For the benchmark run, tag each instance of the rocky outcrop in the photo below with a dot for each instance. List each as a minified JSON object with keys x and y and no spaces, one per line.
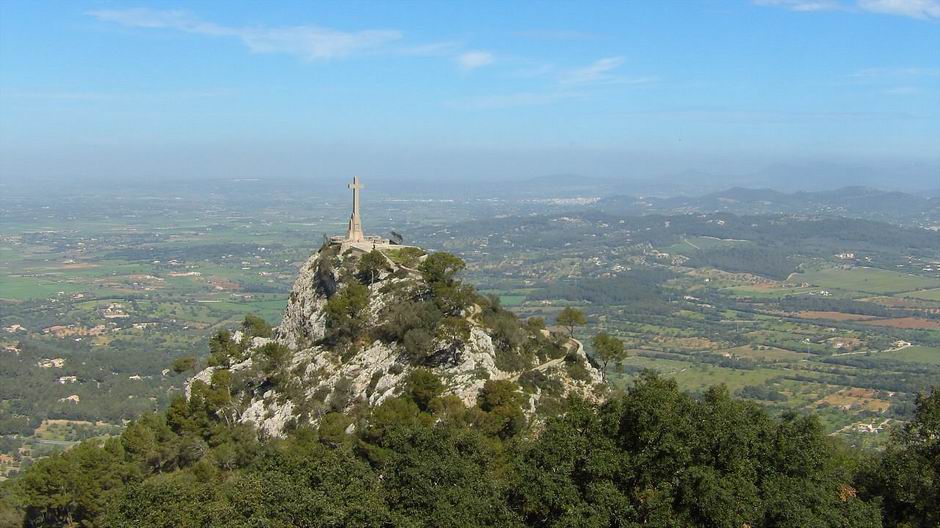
{"x":304,"y":318}
{"x":320,"y":375}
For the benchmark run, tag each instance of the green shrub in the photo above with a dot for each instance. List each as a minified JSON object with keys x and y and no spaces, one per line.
{"x":441,"y":268}
{"x":343,"y":312}
{"x":535,"y":325}
{"x":406,"y":256}
{"x":418,"y":343}
{"x":422,"y":386}
{"x":505,"y":329}
{"x":451,"y":298}
{"x":342,"y":395}
{"x":551,"y":350}
{"x":575,"y":365}
{"x":184,"y":364}
{"x":222,"y":349}
{"x":332,"y":429}
{"x":513,"y":359}
{"x":255,"y":326}
{"x":272,"y":357}
{"x":453,"y":329}
{"x":533,"y":379}
{"x":409,"y":315}
{"x":371,"y":265}
{"x":374,"y":382}
{"x":501,"y":403}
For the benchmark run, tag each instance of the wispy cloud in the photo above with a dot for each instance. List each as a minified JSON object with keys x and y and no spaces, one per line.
{"x":534,"y":70}
{"x":434,"y":49}
{"x":598,"y":71}
{"x":804,"y":5}
{"x":903,"y":90}
{"x":307,"y":42}
{"x":550,"y":34}
{"x":472,"y":60}
{"x":897,"y":81}
{"x":923,"y":9}
{"x":896,"y":73}
{"x":744,"y":116}
{"x":920,"y":9}
{"x":113,"y":96}
{"x":515,"y":100}
{"x":601,"y":71}
{"x":576,"y":83}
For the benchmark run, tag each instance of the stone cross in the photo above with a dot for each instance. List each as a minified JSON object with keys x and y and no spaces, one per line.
{"x":354,"y":233}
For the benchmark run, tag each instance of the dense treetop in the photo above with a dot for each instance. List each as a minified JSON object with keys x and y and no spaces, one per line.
{"x":652,"y":456}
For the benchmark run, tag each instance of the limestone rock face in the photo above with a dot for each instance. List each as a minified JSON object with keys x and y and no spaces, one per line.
{"x":320,"y":375}
{"x":304,"y":318}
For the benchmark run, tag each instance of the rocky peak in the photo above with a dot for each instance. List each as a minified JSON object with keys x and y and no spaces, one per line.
{"x":358,"y":324}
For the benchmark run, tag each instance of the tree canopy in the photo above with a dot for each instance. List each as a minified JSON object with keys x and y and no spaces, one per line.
{"x":371,"y":264}
{"x":441,"y":267}
{"x":570,"y":318}
{"x":906,"y":476}
{"x":608,"y":348}
{"x":652,"y":456}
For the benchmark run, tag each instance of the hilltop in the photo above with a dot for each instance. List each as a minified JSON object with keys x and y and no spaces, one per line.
{"x":357,"y":327}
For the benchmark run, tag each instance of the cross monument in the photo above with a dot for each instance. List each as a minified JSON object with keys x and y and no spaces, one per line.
{"x":354,"y":233}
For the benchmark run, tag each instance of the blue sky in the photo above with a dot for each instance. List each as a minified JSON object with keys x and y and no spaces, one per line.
{"x":466,"y":89}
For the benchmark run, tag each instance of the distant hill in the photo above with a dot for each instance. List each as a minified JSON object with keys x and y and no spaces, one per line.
{"x":565,"y":179}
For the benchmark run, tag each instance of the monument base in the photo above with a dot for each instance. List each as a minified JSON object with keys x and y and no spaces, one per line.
{"x":367,"y":244}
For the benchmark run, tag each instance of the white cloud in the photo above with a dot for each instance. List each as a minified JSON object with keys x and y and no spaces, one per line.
{"x":601,"y":72}
{"x":307,"y":42}
{"x":149,"y":18}
{"x":803,"y":5}
{"x":472,"y":60}
{"x":577,"y":83}
{"x":598,"y":71}
{"x":923,"y":9}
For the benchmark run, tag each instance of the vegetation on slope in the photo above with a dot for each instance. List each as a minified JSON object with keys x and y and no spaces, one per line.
{"x":652,"y":456}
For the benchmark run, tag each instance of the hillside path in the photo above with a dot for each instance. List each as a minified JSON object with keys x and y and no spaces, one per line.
{"x":552,"y":362}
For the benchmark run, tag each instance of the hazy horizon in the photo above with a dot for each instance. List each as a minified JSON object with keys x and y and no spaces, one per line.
{"x":785,"y":94}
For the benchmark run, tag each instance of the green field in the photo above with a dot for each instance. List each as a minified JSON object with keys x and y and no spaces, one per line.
{"x":700,"y":243}
{"x":702,"y":377}
{"x":867,"y":280}
{"x":697,"y":377}
{"x":929,"y":295}
{"x":916,"y":354}
{"x":763,"y":293}
{"x":18,"y":287}
{"x":508,"y":298}
{"x":768,"y":353}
